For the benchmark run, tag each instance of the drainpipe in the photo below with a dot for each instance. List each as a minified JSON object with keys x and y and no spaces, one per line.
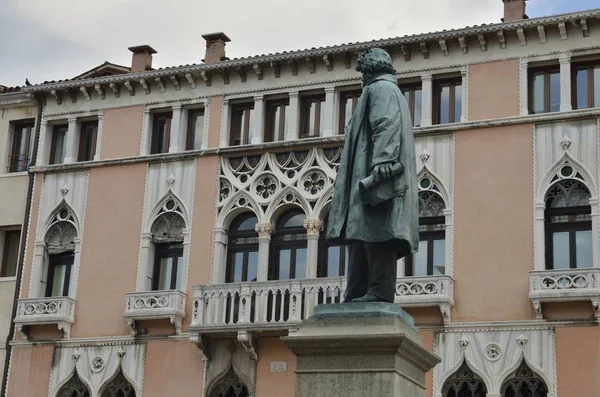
{"x":40,"y":100}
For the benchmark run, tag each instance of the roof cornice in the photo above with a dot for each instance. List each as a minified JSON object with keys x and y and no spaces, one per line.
{"x":318,"y":52}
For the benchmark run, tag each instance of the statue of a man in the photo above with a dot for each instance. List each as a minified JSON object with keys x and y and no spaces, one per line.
{"x":375,"y":208}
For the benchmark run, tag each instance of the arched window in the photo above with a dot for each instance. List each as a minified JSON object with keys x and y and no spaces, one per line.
{"x":242,"y":249}
{"x":524,"y":383}
{"x":431,"y":257}
{"x":229,"y":386}
{"x":464,"y":383}
{"x":167,"y":237}
{"x":333,"y":257}
{"x":60,"y":249}
{"x":568,"y":224}
{"x":118,"y":386}
{"x":288,"y":254}
{"x":74,"y":388}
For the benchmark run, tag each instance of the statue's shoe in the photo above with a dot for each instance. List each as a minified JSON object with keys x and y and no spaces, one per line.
{"x":368,"y":298}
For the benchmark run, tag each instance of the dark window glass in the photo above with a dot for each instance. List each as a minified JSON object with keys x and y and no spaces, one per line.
{"x":57,"y":146}
{"x":167,"y":266}
{"x":161,"y":132}
{"x":586,"y":85}
{"x":59,"y":274}
{"x":241,"y":117}
{"x":348,"y":102}
{"x":289,"y":246}
{"x":275,"y":119}
{"x":195,"y":129}
{"x":21,"y":144}
{"x":544,"y":90}
{"x":447,"y":101}
{"x":87,"y":140}
{"x":74,"y":388}
{"x":414,"y":96}
{"x":242,"y":250}
{"x":333,"y":258}
{"x":10,"y":253}
{"x":312,"y":115}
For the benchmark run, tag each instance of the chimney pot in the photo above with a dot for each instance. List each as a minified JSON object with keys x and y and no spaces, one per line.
{"x":215,"y":47}
{"x":141,"y":59}
{"x":514,"y":10}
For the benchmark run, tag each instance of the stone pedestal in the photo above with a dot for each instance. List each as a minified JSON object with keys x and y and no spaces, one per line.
{"x":358,"y":350}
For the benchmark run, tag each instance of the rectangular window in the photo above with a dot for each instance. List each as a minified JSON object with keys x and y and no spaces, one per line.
{"x":161,"y":132}
{"x":586,"y":86}
{"x":348,"y":101}
{"x":569,"y":245}
{"x":21,"y":144}
{"x":59,"y":274}
{"x":544,"y":90}
{"x":275,"y":119}
{"x":58,"y":143}
{"x":430,"y":260}
{"x":88,"y":132}
{"x":312,"y":115}
{"x":10,"y":253}
{"x":195,"y":129}
{"x":414,"y":95}
{"x":447,"y":101}
{"x":241,"y":117}
{"x":168,"y":263}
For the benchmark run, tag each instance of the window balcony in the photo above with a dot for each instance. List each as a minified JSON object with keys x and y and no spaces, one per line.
{"x":155,"y":305}
{"x":426,"y":291}
{"x":564,"y":286}
{"x":59,"y":310}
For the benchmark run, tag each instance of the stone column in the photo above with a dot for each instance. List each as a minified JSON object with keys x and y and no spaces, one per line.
{"x":293,"y":117}
{"x":175,"y":140}
{"x":329,"y":113}
{"x":258,"y":121}
{"x":224,"y":140}
{"x":265,"y":230}
{"x":465,"y":97}
{"x":219,"y":255}
{"x":523,"y":88}
{"x":71,"y":141}
{"x":146,"y":133}
{"x":565,"y":83}
{"x":99,"y":136}
{"x":313,"y":231}
{"x":427,"y":100}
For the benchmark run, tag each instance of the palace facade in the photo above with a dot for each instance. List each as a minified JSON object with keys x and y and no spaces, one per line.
{"x":177,"y":215}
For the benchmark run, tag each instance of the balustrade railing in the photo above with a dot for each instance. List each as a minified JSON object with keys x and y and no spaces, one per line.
{"x":59,"y":310}
{"x":152,"y":305}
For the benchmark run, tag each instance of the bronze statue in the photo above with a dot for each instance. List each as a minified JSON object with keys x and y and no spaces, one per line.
{"x":375,"y":208}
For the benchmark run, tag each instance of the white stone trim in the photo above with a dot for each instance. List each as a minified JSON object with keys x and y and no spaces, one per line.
{"x":523,"y":87}
{"x":565,"y":82}
{"x":465,"y":96}
{"x":99,"y":136}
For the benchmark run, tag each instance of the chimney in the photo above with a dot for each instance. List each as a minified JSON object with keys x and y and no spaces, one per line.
{"x":141,"y":59}
{"x":514,"y":10}
{"x":215,"y":47}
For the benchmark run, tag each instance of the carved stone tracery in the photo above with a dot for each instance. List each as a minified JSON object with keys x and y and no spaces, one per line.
{"x":464,"y":383}
{"x":61,"y":234}
{"x":169,"y":224}
{"x":119,"y":386}
{"x":229,"y":386}
{"x":524,"y":382}
{"x":74,"y":388}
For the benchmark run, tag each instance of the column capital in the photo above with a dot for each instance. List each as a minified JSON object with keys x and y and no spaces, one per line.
{"x":264,"y":230}
{"x":225,"y":101}
{"x":313,"y":227}
{"x":427,"y":76}
{"x":72,"y":119}
{"x":294,"y":94}
{"x":565,"y":57}
{"x":329,"y":90}
{"x":147,"y":111}
{"x":259,"y":97}
{"x":177,"y":107}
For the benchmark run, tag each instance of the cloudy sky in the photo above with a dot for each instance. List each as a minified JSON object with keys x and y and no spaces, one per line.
{"x":51,"y":40}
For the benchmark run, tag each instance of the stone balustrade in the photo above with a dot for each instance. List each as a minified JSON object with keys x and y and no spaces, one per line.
{"x":59,"y":310}
{"x":155,"y":305}
{"x":426,"y":291}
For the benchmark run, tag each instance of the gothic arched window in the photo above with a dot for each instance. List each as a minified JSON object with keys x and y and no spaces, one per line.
{"x":74,"y":388}
{"x":242,"y":249}
{"x":431,"y":257}
{"x":524,"y":383}
{"x":229,"y":386}
{"x":289,"y":246}
{"x":118,"y":386}
{"x":167,"y":237}
{"x":568,"y":223}
{"x":60,"y":249}
{"x":464,"y":383}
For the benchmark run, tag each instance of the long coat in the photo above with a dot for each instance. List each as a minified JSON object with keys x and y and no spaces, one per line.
{"x":380,"y":131}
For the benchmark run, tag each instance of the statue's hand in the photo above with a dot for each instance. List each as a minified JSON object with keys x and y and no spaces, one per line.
{"x":382,"y":172}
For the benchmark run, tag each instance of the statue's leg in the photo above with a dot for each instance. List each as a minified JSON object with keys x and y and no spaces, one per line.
{"x":358,"y":271}
{"x":383,"y":260}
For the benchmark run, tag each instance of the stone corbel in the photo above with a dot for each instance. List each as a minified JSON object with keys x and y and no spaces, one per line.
{"x":242,"y":73}
{"x":276,"y":68}
{"x":462,"y":40}
{"x":85,"y":93}
{"x":258,"y":70}
{"x":160,"y":84}
{"x":191,"y":80}
{"x":132,"y":327}
{"x":129,"y":87}
{"x":444,"y":47}
{"x":225,"y":76}
{"x":175,"y":81}
{"x":596,"y":307}
{"x":424,"y":49}
{"x":521,"y":35}
{"x":537,"y":306}
{"x":542,"y":33}
{"x":347,"y":60}
{"x":206,"y":77}
{"x":115,"y":89}
{"x":294,"y":67}
{"x":145,"y":85}
{"x":245,"y":339}
{"x":57,"y":95}
{"x":73,"y":94}
{"x":501,"y":39}
{"x":482,"y":41}
{"x":405,"y":51}
{"x":23,"y":330}
{"x":310,"y":62}
{"x":562,"y":28}
{"x":445,"y":311}
{"x":177,"y":322}
{"x":584,"y":28}
{"x":99,"y":90}
{"x":328,"y":62}
{"x":65,"y":328}
{"x":201,"y":343}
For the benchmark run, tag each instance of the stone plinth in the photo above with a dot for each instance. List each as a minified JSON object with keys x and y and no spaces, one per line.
{"x":358,"y":350}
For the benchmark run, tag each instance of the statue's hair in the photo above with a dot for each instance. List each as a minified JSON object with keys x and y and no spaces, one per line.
{"x":375,"y":60}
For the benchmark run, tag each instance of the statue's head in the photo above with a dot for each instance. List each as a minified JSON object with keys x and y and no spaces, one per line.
{"x":375,"y":60}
